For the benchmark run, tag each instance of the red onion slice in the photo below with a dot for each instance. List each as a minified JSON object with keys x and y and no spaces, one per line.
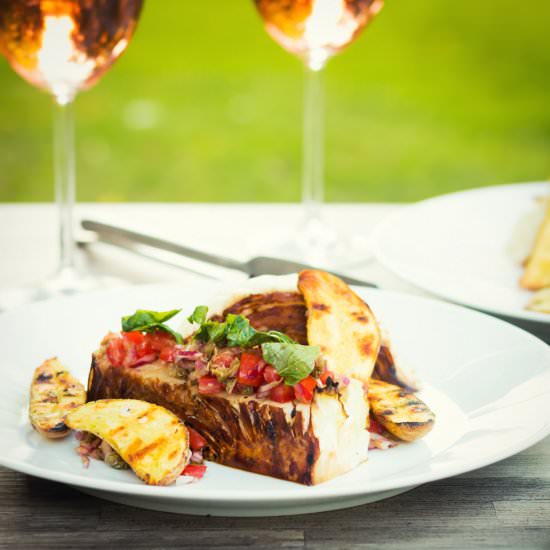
{"x":149,"y":358}
{"x":196,"y":456}
{"x":181,"y":352}
{"x":263,"y":391}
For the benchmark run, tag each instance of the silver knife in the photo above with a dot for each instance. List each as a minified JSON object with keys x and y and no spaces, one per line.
{"x":259,"y":265}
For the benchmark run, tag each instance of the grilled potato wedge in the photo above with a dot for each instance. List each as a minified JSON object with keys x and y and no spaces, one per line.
{"x":153,"y":441}
{"x":402,"y":413}
{"x":537,"y":269}
{"x":54,"y":393}
{"x":341,"y":324}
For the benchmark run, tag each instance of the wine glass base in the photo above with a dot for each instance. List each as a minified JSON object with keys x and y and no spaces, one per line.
{"x":66,"y":282}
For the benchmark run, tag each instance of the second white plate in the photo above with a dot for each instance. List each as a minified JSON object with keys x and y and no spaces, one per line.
{"x":467,"y":247}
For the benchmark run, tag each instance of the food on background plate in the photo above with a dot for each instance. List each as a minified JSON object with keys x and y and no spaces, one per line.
{"x":277,"y":388}
{"x":151,"y":440}
{"x":537,"y":267}
{"x":536,"y":275}
{"x":540,"y":301}
{"x":54,"y":393}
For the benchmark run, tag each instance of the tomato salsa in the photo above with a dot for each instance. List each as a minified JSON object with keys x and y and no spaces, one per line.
{"x":217,"y":369}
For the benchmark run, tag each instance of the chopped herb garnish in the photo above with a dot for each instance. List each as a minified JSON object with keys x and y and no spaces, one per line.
{"x":291,"y":360}
{"x":236,"y":330}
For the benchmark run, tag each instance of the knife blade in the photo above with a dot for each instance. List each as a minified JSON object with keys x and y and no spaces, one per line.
{"x":254,"y":267}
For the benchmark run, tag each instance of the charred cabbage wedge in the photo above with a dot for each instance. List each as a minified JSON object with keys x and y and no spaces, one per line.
{"x":305,"y":441}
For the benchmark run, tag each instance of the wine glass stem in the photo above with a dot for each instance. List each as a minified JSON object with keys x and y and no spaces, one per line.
{"x":64,"y":173}
{"x":313,"y":160}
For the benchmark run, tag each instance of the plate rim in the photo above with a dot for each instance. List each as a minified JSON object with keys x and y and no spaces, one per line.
{"x":300,"y":491}
{"x":377,"y":247}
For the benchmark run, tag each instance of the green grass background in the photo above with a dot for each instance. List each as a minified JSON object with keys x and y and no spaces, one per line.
{"x":435,"y":96}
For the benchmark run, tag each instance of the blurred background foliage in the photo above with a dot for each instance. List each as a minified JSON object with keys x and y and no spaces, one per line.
{"x":435,"y":96}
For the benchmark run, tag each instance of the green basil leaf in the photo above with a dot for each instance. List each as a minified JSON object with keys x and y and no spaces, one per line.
{"x":144,"y":320}
{"x":293,"y":362}
{"x":211,"y":331}
{"x":199,"y":315}
{"x":239,"y":332}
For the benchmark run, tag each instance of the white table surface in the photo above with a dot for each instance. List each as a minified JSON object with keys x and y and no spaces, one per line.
{"x":28,"y":237}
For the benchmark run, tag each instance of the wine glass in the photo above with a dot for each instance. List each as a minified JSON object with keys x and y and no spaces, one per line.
{"x":62,"y":47}
{"x":315,"y":30}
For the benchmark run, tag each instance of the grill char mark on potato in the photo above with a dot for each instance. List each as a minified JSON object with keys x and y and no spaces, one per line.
{"x":402,"y":413}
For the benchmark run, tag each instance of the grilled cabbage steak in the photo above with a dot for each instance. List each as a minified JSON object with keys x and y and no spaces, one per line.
{"x":304,"y":443}
{"x":54,"y":393}
{"x":403,"y":414}
{"x":153,"y":441}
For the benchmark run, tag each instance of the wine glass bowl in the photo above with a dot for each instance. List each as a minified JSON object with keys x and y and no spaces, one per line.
{"x":63,"y":46}
{"x":315,"y":30}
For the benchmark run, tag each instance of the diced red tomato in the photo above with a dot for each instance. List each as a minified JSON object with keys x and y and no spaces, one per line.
{"x":138,"y":344}
{"x":251,"y":369}
{"x":167,"y":354}
{"x":135,"y":336}
{"x":196,"y":441}
{"x":303,"y":390}
{"x":326,"y":375}
{"x":375,"y":427}
{"x":135,"y":348}
{"x":116,"y":351}
{"x":210,"y":385}
{"x":271,"y":374}
{"x":160,"y":339}
{"x":194,"y":470}
{"x":282,"y":393}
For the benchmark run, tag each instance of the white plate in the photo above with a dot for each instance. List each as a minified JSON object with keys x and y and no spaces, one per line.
{"x":483,"y":378}
{"x":468,"y":247}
